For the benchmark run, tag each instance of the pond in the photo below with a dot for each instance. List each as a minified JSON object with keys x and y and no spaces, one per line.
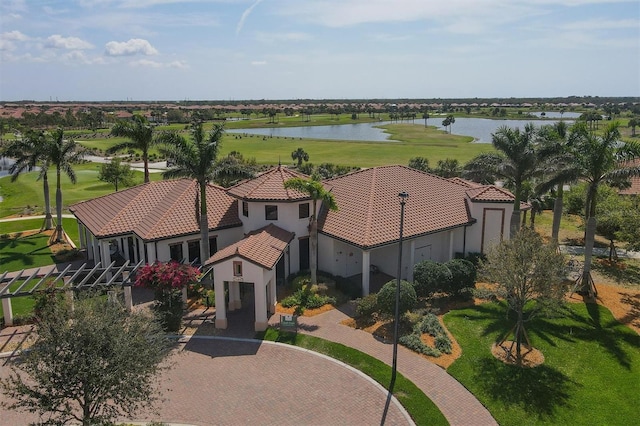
{"x":479,"y":128}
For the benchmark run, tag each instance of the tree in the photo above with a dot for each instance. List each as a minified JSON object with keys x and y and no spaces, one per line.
{"x":448,"y":121}
{"x":140,"y":135}
{"x":517,"y":160}
{"x":62,"y":153}
{"x":29,"y":152}
{"x":529,"y":276}
{"x":601,"y":159}
{"x":633,"y":123}
{"x":419,"y":163}
{"x":233,"y":168}
{"x":447,"y":168}
{"x":425,"y":116}
{"x":195,"y":159}
{"x":300,"y":155}
{"x":90,"y":363}
{"x":317,"y":192}
{"x":116,"y":173}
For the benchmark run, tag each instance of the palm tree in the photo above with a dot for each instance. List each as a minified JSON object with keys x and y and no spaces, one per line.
{"x":317,"y":192}
{"x":233,"y":168}
{"x":28,"y":153}
{"x":300,"y":155}
{"x":195,"y":159}
{"x":140,"y":135}
{"x":517,"y":161}
{"x":62,"y":153}
{"x":601,"y":159}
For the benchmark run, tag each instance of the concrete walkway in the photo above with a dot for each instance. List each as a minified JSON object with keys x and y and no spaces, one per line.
{"x":457,"y":404}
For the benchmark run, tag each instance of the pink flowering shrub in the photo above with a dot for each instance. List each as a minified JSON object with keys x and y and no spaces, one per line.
{"x":166,"y":280}
{"x":166,"y":276}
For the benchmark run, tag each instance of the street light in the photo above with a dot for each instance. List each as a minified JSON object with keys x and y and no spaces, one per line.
{"x":394,"y":366}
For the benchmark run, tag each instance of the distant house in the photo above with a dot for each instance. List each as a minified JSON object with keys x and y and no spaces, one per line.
{"x":259,"y":230}
{"x":634,"y":188}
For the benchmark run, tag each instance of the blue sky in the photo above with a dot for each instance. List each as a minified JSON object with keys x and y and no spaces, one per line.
{"x":74,"y":50}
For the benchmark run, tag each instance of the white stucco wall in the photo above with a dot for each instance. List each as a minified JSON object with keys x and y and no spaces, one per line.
{"x":488,"y":226}
{"x":287,"y":219}
{"x":224,"y":238}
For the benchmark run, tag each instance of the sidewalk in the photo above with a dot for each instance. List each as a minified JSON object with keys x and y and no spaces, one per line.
{"x":600,"y":251}
{"x":457,"y":404}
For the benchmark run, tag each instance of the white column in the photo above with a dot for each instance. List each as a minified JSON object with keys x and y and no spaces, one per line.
{"x":95,"y":244}
{"x":8,"y":312}
{"x":105,"y":256}
{"x":450,"y":245}
{"x":366,"y":268}
{"x":128,"y":298}
{"x":412,"y":260}
{"x":151,"y":251}
{"x":185,"y":297}
{"x":273,"y":296}
{"x":260,"y":291}
{"x":221,"y":309}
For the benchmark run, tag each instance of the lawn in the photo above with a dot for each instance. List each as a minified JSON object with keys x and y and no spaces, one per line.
{"x":26,"y":192}
{"x":421,"y":409}
{"x":590,"y":375}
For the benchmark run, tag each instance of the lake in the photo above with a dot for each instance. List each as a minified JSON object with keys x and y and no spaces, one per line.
{"x":479,"y":128}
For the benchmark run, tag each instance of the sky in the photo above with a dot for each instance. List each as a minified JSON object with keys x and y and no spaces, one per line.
{"x":174,"y":50}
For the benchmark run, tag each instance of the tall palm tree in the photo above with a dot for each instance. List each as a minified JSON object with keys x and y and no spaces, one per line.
{"x":517,"y":161}
{"x":140,"y":135}
{"x":62,"y":153}
{"x":29,"y":152}
{"x":195,"y":158}
{"x":317,"y":192}
{"x":601,"y":159}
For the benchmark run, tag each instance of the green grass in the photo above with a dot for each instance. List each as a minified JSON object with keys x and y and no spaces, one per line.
{"x":421,"y":409}
{"x":27,"y":191}
{"x":590,"y":375}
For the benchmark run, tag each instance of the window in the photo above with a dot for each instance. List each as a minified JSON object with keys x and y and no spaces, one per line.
{"x":193,"y":248}
{"x":213,"y":245}
{"x":237,"y":269}
{"x":175,"y":251}
{"x":245,"y":209}
{"x":271,"y":212}
{"x":303,"y":210}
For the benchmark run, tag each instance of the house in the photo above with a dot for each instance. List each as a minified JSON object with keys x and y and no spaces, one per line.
{"x":259,"y":231}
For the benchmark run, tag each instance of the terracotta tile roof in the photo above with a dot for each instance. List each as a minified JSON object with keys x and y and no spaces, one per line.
{"x":490,"y":194}
{"x":269,"y":186}
{"x":467,"y":183}
{"x":156,"y":210}
{"x":369,"y":209}
{"x":262,"y":247}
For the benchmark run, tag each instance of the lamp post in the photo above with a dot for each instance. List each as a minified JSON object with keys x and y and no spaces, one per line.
{"x":394,"y":366}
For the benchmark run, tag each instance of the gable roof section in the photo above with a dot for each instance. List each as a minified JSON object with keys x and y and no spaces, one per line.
{"x":465,"y":182}
{"x":490,"y":194}
{"x":262,"y":247}
{"x":269,"y":186}
{"x":369,"y":209}
{"x":156,"y":210}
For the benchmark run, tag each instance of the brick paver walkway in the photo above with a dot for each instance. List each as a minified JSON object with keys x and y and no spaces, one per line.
{"x":242,"y":382}
{"x":457,"y":404}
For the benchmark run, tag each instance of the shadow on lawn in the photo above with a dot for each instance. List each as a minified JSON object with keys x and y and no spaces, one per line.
{"x":539,"y":391}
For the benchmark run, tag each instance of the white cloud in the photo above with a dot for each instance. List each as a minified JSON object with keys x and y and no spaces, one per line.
{"x":282,"y":37}
{"x":258,"y":63}
{"x":71,"y":43}
{"x":156,"y":64}
{"x":132,"y":47}
{"x":602,"y":24}
{"x":7,"y":40}
{"x":245,"y":15}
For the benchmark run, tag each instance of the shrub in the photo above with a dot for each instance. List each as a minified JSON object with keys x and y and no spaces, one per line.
{"x":413,"y":342}
{"x":348,"y":287}
{"x":367,"y":306}
{"x":463,"y":277}
{"x":306,"y":299}
{"x":431,"y":277}
{"x":443,"y":344}
{"x":387,"y":297}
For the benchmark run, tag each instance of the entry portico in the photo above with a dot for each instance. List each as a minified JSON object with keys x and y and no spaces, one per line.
{"x":251,"y":260}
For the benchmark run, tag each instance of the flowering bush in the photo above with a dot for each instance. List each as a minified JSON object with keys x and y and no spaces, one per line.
{"x":166,"y":280}
{"x":166,"y":276}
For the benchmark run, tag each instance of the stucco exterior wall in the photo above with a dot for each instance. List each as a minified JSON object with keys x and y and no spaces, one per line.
{"x":492,"y":225}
